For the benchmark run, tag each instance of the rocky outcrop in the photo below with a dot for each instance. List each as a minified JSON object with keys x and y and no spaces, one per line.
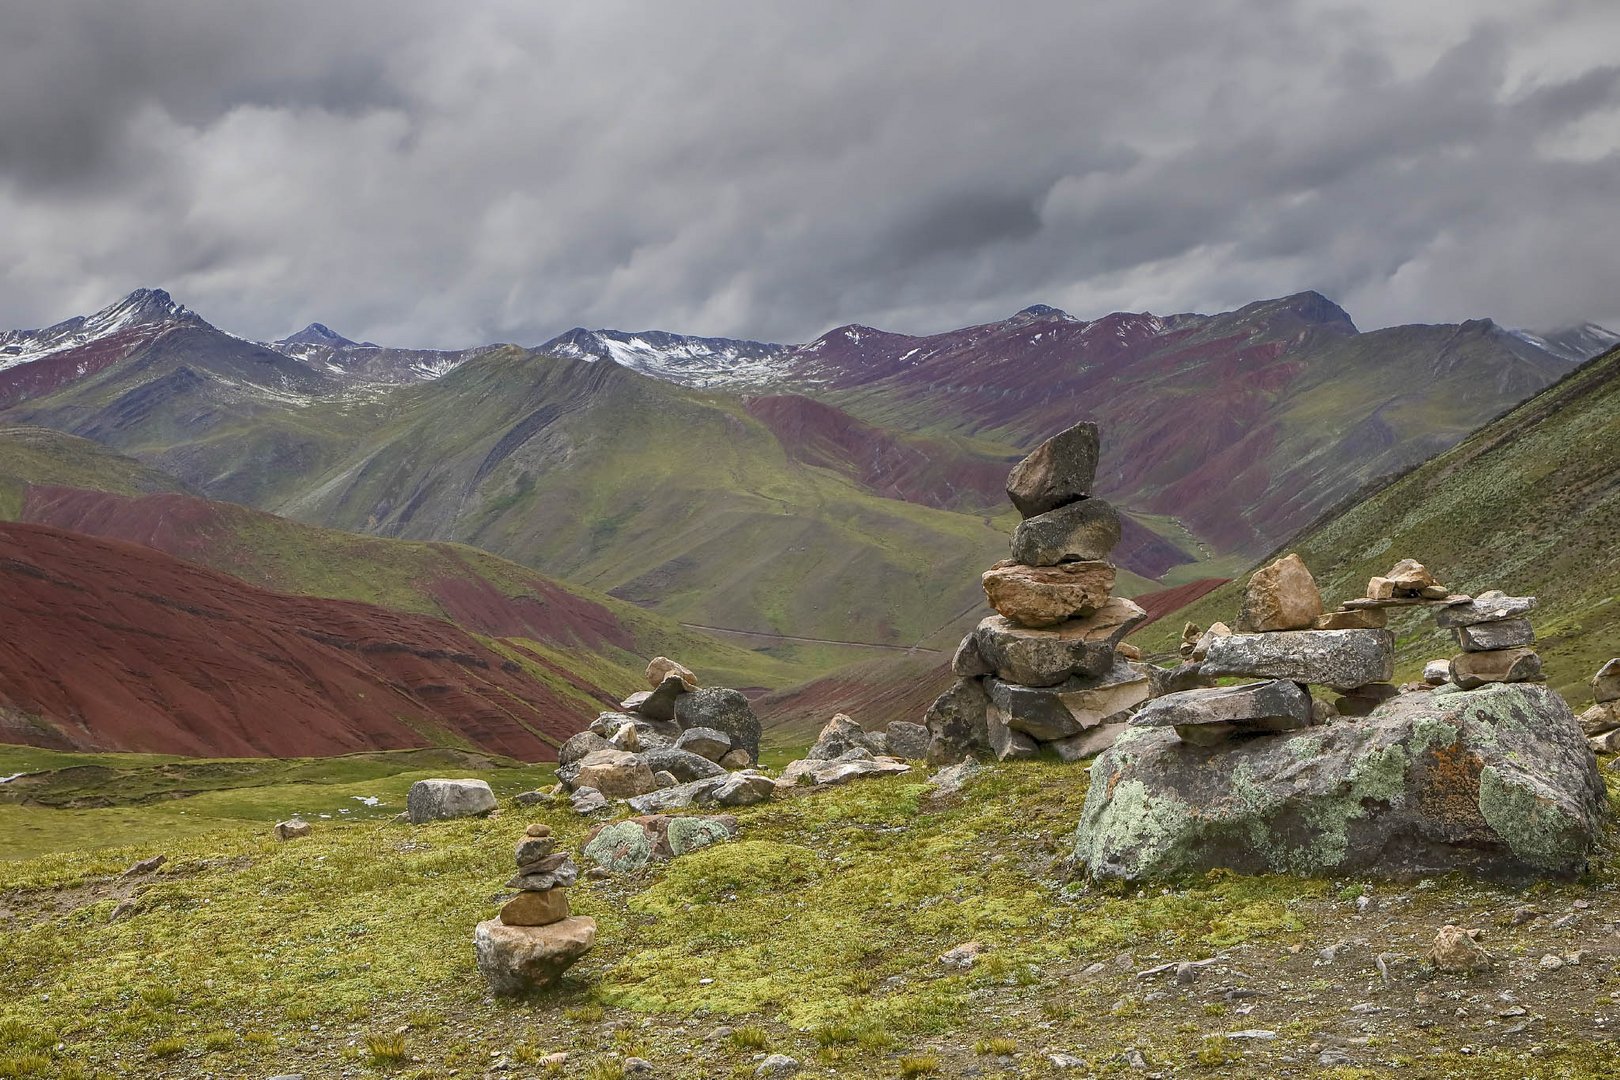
{"x":1496,"y":782}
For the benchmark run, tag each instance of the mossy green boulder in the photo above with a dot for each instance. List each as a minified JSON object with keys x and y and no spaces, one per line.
{"x":1496,"y":782}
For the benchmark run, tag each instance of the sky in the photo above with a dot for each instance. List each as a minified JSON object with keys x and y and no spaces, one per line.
{"x":441,"y":174}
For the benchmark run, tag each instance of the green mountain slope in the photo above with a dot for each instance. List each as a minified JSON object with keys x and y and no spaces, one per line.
{"x":1530,"y":503}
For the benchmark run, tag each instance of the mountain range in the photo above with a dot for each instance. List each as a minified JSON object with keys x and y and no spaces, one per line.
{"x":814,"y":504}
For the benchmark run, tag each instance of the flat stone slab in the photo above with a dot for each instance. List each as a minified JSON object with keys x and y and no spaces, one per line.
{"x":1502,"y":634}
{"x":1492,"y":606}
{"x":1046,"y":657}
{"x":1368,"y":603}
{"x":1210,"y":715}
{"x":1496,"y":782}
{"x":1048,"y":595}
{"x":1471,"y":670}
{"x":1057,"y":712}
{"x":1342,"y":659}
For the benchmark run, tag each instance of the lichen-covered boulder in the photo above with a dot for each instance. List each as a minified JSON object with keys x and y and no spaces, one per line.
{"x":1342,"y":659}
{"x":442,"y":800}
{"x":517,"y":959}
{"x":723,"y":710}
{"x":636,"y":843}
{"x":1496,"y":782}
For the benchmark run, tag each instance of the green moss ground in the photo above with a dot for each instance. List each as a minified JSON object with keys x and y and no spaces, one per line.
{"x":816,"y":933}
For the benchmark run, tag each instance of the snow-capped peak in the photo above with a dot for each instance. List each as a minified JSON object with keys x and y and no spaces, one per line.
{"x":698,"y":362}
{"x":317,"y":334}
{"x":1577,"y":344}
{"x":149,"y":310}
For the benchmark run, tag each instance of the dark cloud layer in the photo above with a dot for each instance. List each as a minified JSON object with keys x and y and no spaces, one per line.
{"x":439,"y":173}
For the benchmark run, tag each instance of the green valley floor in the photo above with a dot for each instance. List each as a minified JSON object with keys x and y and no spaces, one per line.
{"x":816,"y":934}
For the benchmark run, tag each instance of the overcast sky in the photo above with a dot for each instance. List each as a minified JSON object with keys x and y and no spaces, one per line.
{"x":449,"y":173}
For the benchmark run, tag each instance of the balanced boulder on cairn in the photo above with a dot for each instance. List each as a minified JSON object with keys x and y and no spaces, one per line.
{"x":1044,"y":672}
{"x":678,"y":741}
{"x":1601,"y":723}
{"x":534,"y":939}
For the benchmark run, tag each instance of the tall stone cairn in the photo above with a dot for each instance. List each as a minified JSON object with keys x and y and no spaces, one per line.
{"x":534,"y":939}
{"x":1601,"y":723}
{"x":1045,"y":671}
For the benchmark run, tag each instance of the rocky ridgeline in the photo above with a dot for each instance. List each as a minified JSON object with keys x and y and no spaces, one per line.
{"x":534,"y":939}
{"x":675,"y":745}
{"x":1601,"y":722}
{"x":1047,"y":671}
{"x":1486,"y":773}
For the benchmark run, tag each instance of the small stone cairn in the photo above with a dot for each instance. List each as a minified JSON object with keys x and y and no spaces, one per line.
{"x":1046,"y":671}
{"x":1601,"y":723}
{"x":675,"y":745}
{"x":534,"y":939}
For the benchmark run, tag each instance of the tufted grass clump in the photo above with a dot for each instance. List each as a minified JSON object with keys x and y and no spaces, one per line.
{"x":168,"y":1047}
{"x":919,"y":1064}
{"x":750,"y":1037}
{"x":384,"y":1051}
{"x":999,"y":1045}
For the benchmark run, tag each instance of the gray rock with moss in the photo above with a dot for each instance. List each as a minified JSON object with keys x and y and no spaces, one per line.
{"x":1343,"y":659}
{"x":1496,"y":782}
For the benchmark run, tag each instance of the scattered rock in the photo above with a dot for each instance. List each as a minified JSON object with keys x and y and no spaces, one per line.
{"x":1088,"y":743}
{"x":1080,"y":531}
{"x":736,"y":759}
{"x":1005,"y":743}
{"x":626,"y":739}
{"x":839,"y":736}
{"x":1061,"y":470}
{"x":1437,"y":672}
{"x":949,"y":780}
{"x":291,"y":828}
{"x":1047,"y":595}
{"x":704,"y":742}
{"x":518,"y":959}
{"x":684,"y":766}
{"x":1496,"y":782}
{"x":907,"y":740}
{"x":820,"y":773}
{"x":617,"y":774}
{"x":777,"y":1065}
{"x":1457,"y":951}
{"x":1550,"y":962}
{"x":963,"y":956}
{"x":1342,"y":659}
{"x":587,"y":800}
{"x":442,"y":800}
{"x":722,"y":710}
{"x":659,"y":702}
{"x":1606,"y":683}
{"x":743,"y":789}
{"x":660,"y":668}
{"x":1280,"y":596}
{"x":145,"y":866}
{"x":580,"y":744}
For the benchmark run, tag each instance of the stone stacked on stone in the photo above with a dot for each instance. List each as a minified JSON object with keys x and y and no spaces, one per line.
{"x":1495,"y":637}
{"x":1044,"y":672}
{"x":674,"y":735}
{"x":1601,"y":723}
{"x":534,"y":939}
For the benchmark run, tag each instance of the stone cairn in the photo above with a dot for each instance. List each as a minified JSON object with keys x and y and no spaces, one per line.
{"x":675,"y":745}
{"x":1046,"y":672}
{"x":534,"y":939}
{"x":1601,"y":723}
{"x":1476,"y":769}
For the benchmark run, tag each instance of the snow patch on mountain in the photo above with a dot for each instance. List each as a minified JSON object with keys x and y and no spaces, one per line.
{"x":1577,"y":344}
{"x":144,"y":309}
{"x":698,"y":362}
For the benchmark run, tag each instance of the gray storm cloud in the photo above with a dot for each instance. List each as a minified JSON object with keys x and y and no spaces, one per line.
{"x":446,"y":174}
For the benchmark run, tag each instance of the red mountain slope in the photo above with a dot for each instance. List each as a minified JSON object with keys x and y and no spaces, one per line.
{"x":113,"y":646}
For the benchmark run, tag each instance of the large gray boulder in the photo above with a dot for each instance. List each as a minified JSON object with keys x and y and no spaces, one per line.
{"x":442,"y":800}
{"x":684,"y":765}
{"x":907,"y":740}
{"x":704,"y":742}
{"x":723,"y":710}
{"x":1343,"y":659}
{"x":1495,"y":782}
{"x":518,"y":959}
{"x":956,"y":723}
{"x":1059,"y":471}
{"x":1210,"y":715}
{"x":1080,"y":647}
{"x":1084,"y":530}
{"x":579,"y":744}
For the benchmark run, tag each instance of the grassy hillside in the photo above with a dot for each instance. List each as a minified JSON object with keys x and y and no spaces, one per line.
{"x":350,"y":952}
{"x":1530,"y":503}
{"x":30,"y":455}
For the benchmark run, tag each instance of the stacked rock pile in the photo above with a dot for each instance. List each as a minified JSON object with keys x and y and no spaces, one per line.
{"x":673,"y":745}
{"x":1601,"y":723}
{"x":1488,"y":775}
{"x":1045,"y":671}
{"x":534,"y":939}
